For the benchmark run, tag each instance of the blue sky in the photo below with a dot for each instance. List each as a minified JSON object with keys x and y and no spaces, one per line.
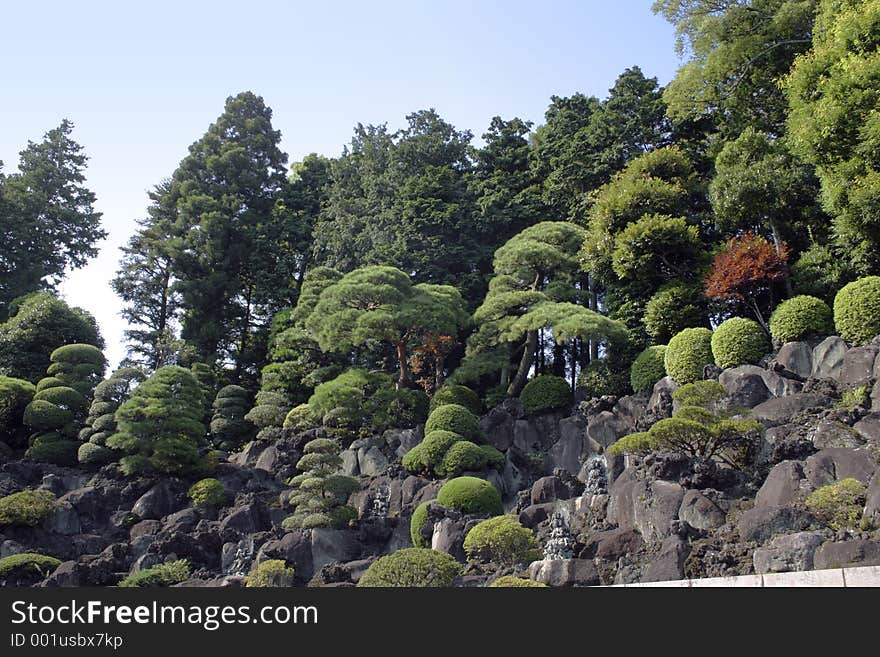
{"x":142,"y":81}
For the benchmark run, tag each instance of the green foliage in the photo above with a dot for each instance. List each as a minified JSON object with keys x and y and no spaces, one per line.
{"x":705,"y":394}
{"x":673,"y":308}
{"x":857,"y":310}
{"x":229,"y":428}
{"x":15,"y":395}
{"x":92,"y":454}
{"x":79,"y":354}
{"x":739,"y":341}
{"x":462,"y":456}
{"x":457,"y":394}
{"x":46,"y":416}
{"x":635,"y":443}
{"x":852,"y":399}
{"x":412,"y":567}
{"x":208,"y":493}
{"x":839,"y":505}
{"x":427,"y":456}
{"x":321,"y":491}
{"x":545,"y":393}
{"x":655,"y":248}
{"x":419,"y":516}
{"x":455,"y":419}
{"x":799,"y":317}
{"x":63,"y":397}
{"x":61,"y":452}
{"x":39,"y":324}
{"x":687,"y":353}
{"x":302,"y":418}
{"x":16,"y":565}
{"x":165,"y":574}
{"x":501,"y":540}
{"x":820,"y":271}
{"x":471,"y":495}
{"x":599,"y":379}
{"x":648,"y":368}
{"x":27,"y":508}
{"x":272,"y":573}
{"x":510,"y":581}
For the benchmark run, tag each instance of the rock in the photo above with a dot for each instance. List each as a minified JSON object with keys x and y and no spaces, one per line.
{"x":330,"y":545}
{"x":67,"y":574}
{"x":834,"y":464}
{"x":182,"y":521}
{"x":841,"y":554}
{"x":87,"y":501}
{"x":835,"y":434}
{"x":648,"y":507}
{"x":858,"y":367}
{"x":787,"y":553}
{"x":536,"y":513}
{"x":144,"y":528}
{"x":782,"y":486}
{"x":745,"y":385}
{"x":785,"y":442}
{"x":605,"y":428}
{"x":498,"y":427}
{"x":763,"y":522}
{"x":613,"y":544}
{"x":449,"y":536}
{"x":660,"y":394}
{"x":549,"y":489}
{"x":780,"y":410}
{"x":828,"y":358}
{"x":700,"y":512}
{"x":669,"y":563}
{"x":246,"y":519}
{"x":371,"y":461}
{"x":869,"y":428}
{"x":295,"y":548}
{"x":875,"y":393}
{"x":63,"y":520}
{"x":512,"y":477}
{"x":872,"y":502}
{"x":629,"y":409}
{"x":796,"y":357}
{"x":401,"y":441}
{"x":250,"y":454}
{"x":268,"y":459}
{"x":155,"y":503}
{"x":564,"y":572}
{"x":526,"y":437}
{"x":349,"y":462}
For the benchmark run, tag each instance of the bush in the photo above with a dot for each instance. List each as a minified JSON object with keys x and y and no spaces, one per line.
{"x":27,"y":508}
{"x":462,"y":456}
{"x":687,"y":353}
{"x":207,"y":493}
{"x":471,"y":495}
{"x":501,"y":540}
{"x":494,"y":458}
{"x":857,"y":310}
{"x":273,"y":573}
{"x":27,"y":563}
{"x":79,"y":354}
{"x":164,"y":574}
{"x":62,"y":396}
{"x":45,"y":416}
{"x":455,"y":394}
{"x":672,"y":309}
{"x":800,"y":317}
{"x":545,"y":393}
{"x":412,"y":567}
{"x":92,"y":454}
{"x":59,"y":452}
{"x":598,"y":379}
{"x":739,"y":341}
{"x":510,"y":581}
{"x":839,"y":505}
{"x":301,"y":418}
{"x":454,"y":418}
{"x":635,"y":443}
{"x":647,"y":369}
{"x":415,"y":525}
{"x":15,"y":395}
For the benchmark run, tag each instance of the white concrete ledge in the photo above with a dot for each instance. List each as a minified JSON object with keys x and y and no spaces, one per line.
{"x":863,"y":576}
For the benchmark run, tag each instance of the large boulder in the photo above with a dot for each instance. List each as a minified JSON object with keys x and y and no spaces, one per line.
{"x":834,"y":464}
{"x":841,"y":554}
{"x":329,"y":545}
{"x":762,"y":523}
{"x":829,"y":433}
{"x":669,"y":562}
{"x":573,"y":446}
{"x":796,"y":357}
{"x":783,"y":486}
{"x":869,"y":428}
{"x":607,"y":427}
{"x":649,"y":507}
{"x":828,"y":358}
{"x":156,"y":503}
{"x":787,"y":553}
{"x":661,"y":394}
{"x":613,"y":544}
{"x":497,"y":426}
{"x":872,"y":502}
{"x":700,"y":512}
{"x":858,"y":367}
{"x":745,"y":385}
{"x":564,"y":572}
{"x":780,"y":410}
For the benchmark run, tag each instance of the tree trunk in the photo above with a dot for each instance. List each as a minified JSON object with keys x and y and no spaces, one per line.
{"x":594,"y":306}
{"x":525,"y":364}
{"x":403,"y":379}
{"x":439,"y":365}
{"x":777,"y":242}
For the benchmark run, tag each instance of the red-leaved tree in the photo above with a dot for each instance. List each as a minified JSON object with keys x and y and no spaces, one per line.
{"x":745,"y":272}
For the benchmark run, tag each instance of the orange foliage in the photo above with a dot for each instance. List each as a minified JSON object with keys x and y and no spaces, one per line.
{"x":746,"y":268}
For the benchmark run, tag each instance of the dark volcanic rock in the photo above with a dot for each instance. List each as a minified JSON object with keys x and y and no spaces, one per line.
{"x":565,"y":572}
{"x":834,"y":464}
{"x":763,"y":522}
{"x":787,"y":553}
{"x":856,"y":552}
{"x":669,"y":563}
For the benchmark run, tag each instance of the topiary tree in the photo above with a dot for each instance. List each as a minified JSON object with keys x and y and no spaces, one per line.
{"x":857,"y":310}
{"x":599,"y":379}
{"x":321,"y":491}
{"x":800,"y":317}
{"x":27,"y":508}
{"x":268,"y":414}
{"x":839,"y":505}
{"x":501,"y":540}
{"x":673,"y":308}
{"x":412,"y":567}
{"x":15,"y":395}
{"x":648,"y":368}
{"x":229,"y":428}
{"x":160,"y":426}
{"x":457,"y":394}
{"x":545,"y":393}
{"x":687,"y":353}
{"x":100,"y":423}
{"x":739,"y":341}
{"x":471,"y":495}
{"x":455,"y":419}
{"x":272,"y":573}
{"x":465,"y":456}
{"x":416,"y":522}
{"x":427,"y":456}
{"x":302,"y":418}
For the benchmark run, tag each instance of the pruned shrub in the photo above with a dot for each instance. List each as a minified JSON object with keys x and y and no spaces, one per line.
{"x":42,"y":415}
{"x":165,"y":574}
{"x":462,"y":456}
{"x":419,"y":516}
{"x":27,"y":565}
{"x":63,"y":396}
{"x":428,"y":455}
{"x":208,"y":493}
{"x":471,"y":495}
{"x":648,"y":368}
{"x":501,"y":540}
{"x":92,"y":454}
{"x":301,"y":418}
{"x":412,"y":567}
{"x":857,"y":310}
{"x":60,"y":452}
{"x":27,"y":508}
{"x":599,"y":379}
{"x":801,"y":317}
{"x":273,"y":573}
{"x":839,"y":505}
{"x":687,"y":353}
{"x":673,"y":308}
{"x":454,"y":418}
{"x":457,"y":394}
{"x":739,"y":341}
{"x":321,"y":491}
{"x":511,"y":581}
{"x":229,"y":428}
{"x":545,"y":393}
{"x":15,"y":395}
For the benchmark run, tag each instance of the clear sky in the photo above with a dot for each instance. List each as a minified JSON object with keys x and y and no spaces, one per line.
{"x":143,"y":80}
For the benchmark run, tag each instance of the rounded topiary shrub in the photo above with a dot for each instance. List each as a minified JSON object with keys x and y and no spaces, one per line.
{"x":272,"y":573}
{"x":301,"y":418}
{"x":92,"y":454}
{"x":64,"y":397}
{"x":857,"y":310}
{"x":511,"y":581}
{"x":41,"y":415}
{"x":412,"y":567}
{"x":415,"y":525}
{"x":739,"y":341}
{"x":501,"y":540}
{"x":78,"y":354}
{"x":27,"y":508}
{"x":687,"y":353}
{"x":471,"y":495}
{"x":597,"y":379}
{"x":208,"y":493}
{"x":427,"y":456}
{"x":59,"y":452}
{"x":545,"y":393}
{"x":454,"y":418}
{"x":839,"y":505}
{"x":455,"y":394}
{"x":673,"y":308}
{"x":801,"y":317}
{"x":28,"y":566}
{"x":462,"y":456}
{"x":648,"y":368}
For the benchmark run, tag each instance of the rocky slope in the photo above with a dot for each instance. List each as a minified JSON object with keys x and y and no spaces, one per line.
{"x":600,"y":519}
